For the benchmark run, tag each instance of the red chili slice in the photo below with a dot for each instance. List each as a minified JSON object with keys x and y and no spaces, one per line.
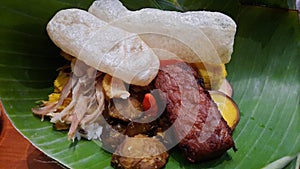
{"x":150,"y":105}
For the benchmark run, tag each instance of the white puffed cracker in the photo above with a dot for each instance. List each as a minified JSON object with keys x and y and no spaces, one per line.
{"x":107,"y":48}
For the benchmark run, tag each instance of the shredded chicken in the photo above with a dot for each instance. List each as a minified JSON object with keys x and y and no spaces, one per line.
{"x":87,"y":103}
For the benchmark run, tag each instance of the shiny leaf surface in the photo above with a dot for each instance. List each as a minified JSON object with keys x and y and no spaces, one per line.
{"x":264,"y":72}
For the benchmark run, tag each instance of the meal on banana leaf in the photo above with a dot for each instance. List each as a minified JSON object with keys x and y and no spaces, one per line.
{"x":144,"y":82}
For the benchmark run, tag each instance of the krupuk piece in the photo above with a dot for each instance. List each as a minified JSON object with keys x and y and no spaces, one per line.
{"x":194,"y":36}
{"x":106,"y":48}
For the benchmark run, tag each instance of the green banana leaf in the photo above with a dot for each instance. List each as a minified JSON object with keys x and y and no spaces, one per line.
{"x":287,"y":4}
{"x":264,"y":72}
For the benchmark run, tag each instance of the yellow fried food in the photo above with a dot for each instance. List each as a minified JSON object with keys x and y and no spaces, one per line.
{"x":59,"y":83}
{"x":229,"y":110}
{"x":213,"y":74}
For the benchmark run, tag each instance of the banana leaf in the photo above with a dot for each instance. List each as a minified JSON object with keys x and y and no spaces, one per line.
{"x":264,"y":72}
{"x":287,"y":4}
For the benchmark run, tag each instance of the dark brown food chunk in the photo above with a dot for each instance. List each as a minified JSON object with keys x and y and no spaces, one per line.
{"x":135,"y":128}
{"x":140,"y":152}
{"x":200,"y":129}
{"x":125,"y":109}
{"x":112,"y":136}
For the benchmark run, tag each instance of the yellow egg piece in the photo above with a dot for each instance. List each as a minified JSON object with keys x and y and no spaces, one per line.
{"x":228,"y":108}
{"x":213,"y":75}
{"x":60,"y":81}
